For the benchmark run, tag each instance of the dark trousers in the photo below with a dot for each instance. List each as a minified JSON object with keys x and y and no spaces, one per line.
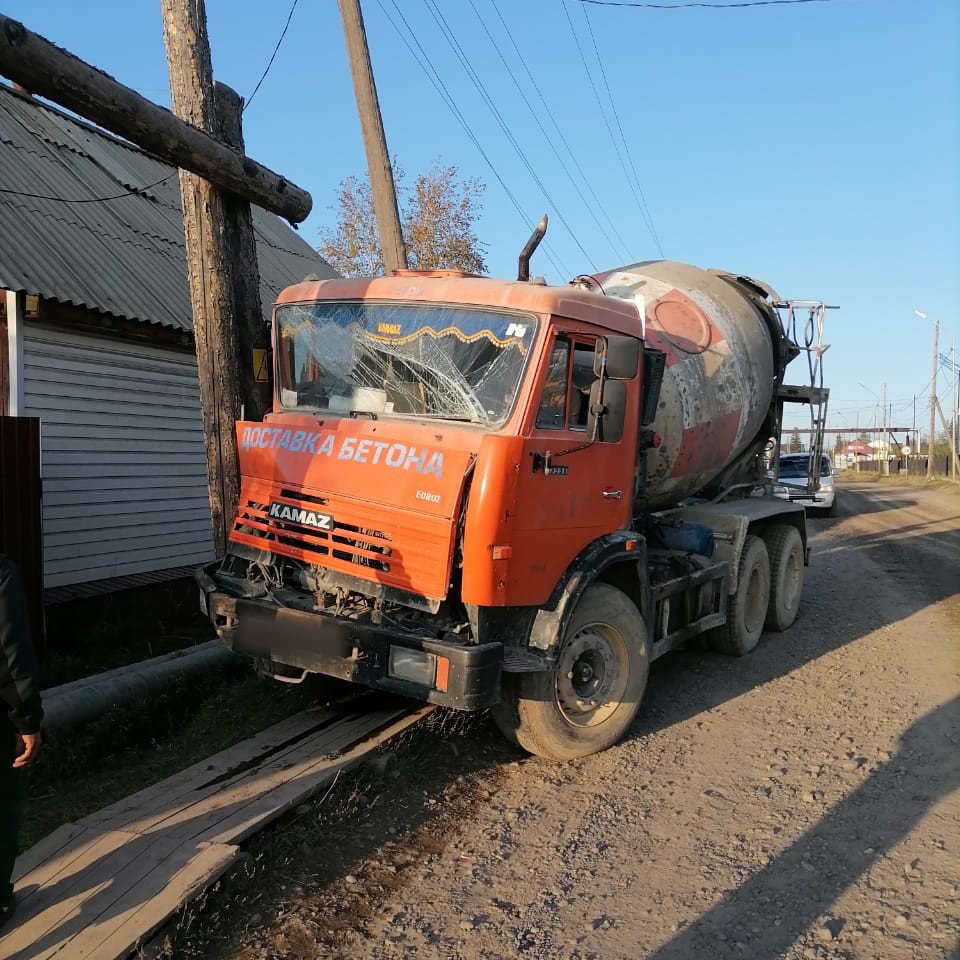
{"x":9,"y":809}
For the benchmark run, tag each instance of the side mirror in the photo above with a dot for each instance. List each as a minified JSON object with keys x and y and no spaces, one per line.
{"x":611,"y":412}
{"x":622,"y":355}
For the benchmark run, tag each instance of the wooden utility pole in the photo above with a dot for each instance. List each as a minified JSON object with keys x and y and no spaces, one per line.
{"x":49,"y":71}
{"x":374,"y":140}
{"x":886,"y":441}
{"x":209,"y":265}
{"x":253,"y":333}
{"x":955,"y":400}
{"x":933,"y":397}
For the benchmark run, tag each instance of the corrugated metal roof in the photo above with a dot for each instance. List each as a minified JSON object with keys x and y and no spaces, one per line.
{"x":124,"y":257}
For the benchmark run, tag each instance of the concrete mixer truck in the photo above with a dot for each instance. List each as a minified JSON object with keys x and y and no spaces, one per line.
{"x":504,"y":494}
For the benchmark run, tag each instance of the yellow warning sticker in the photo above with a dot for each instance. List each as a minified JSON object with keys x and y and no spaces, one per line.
{"x":260,"y":371}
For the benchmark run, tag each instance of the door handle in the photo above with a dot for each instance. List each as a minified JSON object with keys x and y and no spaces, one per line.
{"x":611,"y":494}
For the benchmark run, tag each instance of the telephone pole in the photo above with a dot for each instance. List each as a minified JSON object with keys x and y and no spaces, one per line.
{"x":933,"y":391}
{"x":885,"y":448}
{"x":213,"y":225}
{"x":374,"y":140}
{"x":955,"y":397}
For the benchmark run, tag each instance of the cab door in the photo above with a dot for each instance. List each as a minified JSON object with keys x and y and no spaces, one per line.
{"x":587,"y":491}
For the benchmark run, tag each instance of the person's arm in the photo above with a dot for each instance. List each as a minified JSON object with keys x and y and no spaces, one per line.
{"x":19,"y":680}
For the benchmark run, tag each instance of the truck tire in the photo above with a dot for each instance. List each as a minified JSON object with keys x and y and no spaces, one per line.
{"x":747,"y":608}
{"x":504,"y":713}
{"x":785,"y":549}
{"x":588,"y":701}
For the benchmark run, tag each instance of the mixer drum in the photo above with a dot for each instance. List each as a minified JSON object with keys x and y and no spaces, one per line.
{"x":719,"y":378}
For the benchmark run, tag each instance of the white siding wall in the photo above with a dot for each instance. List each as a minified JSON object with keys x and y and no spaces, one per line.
{"x":124,"y":475}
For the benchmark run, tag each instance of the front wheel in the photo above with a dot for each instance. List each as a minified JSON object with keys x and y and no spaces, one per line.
{"x":588,"y":700}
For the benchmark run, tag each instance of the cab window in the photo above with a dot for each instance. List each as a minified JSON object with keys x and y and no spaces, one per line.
{"x":552,"y":414}
{"x":565,"y":399}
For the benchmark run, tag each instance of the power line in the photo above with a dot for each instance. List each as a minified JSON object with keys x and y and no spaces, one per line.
{"x":458,"y":50}
{"x":536,"y":117}
{"x":273,"y":55}
{"x":563,"y":138}
{"x":641,"y":199}
{"x":703,"y":6}
{"x":596,"y":94}
{"x":458,"y":114}
{"x":135,"y":191}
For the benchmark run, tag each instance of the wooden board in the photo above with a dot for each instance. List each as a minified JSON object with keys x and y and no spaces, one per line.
{"x":99,"y":888}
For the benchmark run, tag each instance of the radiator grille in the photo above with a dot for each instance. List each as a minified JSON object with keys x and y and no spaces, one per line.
{"x":371,"y":541}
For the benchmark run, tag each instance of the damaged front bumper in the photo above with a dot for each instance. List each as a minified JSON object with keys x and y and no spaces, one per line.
{"x":452,"y":675}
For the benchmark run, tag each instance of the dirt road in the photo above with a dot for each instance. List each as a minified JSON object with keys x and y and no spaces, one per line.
{"x":800,"y":802}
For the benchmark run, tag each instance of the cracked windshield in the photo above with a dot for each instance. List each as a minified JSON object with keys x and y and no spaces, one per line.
{"x":423,"y":360}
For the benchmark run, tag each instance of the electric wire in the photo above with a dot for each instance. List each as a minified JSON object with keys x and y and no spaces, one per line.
{"x":458,"y":114}
{"x":559,"y":129}
{"x":135,"y":191}
{"x":423,"y":61}
{"x":638,"y":192}
{"x":549,"y":139}
{"x":596,"y":94}
{"x":705,"y":6}
{"x":458,"y":50}
{"x":273,"y":56}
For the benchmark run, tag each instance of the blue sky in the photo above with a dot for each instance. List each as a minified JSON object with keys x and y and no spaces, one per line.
{"x":814,"y":146}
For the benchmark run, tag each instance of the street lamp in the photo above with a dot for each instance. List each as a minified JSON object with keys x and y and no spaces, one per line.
{"x":933,"y":392}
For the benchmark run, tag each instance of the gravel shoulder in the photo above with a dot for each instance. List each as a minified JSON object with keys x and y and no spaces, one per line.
{"x":801,"y":802}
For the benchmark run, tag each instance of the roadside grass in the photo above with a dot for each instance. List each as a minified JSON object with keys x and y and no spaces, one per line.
{"x":117,"y":643}
{"x":84,"y":769}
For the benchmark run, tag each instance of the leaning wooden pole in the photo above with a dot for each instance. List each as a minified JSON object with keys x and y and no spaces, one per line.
{"x":208,"y":264}
{"x":374,"y":139}
{"x":253,"y":333}
{"x":46,"y":69}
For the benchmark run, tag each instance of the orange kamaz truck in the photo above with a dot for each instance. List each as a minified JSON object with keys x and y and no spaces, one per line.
{"x":487,"y":493}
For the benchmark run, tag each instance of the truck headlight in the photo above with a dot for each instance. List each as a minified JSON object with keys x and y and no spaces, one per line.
{"x":413,"y":665}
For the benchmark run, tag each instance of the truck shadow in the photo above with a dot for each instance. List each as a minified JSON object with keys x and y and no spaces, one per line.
{"x":926,"y":749}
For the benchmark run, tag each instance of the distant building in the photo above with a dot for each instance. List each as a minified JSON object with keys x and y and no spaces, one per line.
{"x":97,"y":317}
{"x":858,"y":450}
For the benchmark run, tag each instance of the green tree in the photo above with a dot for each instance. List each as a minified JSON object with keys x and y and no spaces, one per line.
{"x":794,"y":446}
{"x":438,"y":217}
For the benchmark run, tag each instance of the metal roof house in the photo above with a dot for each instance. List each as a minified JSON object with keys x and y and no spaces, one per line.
{"x":96,"y":341}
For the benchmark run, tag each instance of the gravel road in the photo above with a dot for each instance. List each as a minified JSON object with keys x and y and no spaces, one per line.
{"x":801,"y":802}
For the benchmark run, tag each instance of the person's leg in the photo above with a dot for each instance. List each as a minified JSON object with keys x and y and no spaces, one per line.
{"x":9,"y":815}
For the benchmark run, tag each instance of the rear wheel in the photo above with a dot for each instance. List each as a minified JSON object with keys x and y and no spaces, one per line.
{"x":747,"y":608}
{"x":589,"y":699}
{"x":785,"y":550}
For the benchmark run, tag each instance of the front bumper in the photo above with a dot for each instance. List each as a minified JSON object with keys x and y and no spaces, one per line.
{"x":821,"y":500}
{"x":348,"y":650}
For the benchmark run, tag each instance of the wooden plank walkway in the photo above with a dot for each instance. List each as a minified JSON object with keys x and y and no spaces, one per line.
{"x":98,"y":888}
